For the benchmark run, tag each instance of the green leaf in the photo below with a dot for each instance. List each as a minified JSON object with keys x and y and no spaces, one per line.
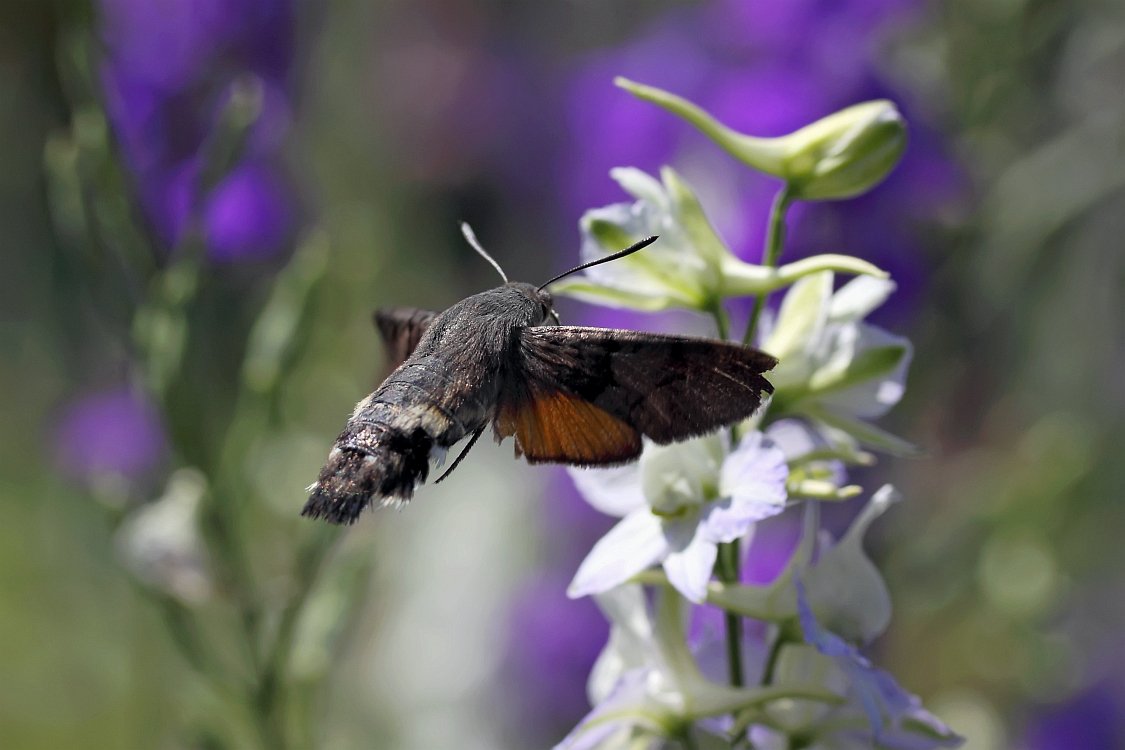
{"x":271,"y":338}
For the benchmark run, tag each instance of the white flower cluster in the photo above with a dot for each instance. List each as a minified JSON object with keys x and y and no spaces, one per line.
{"x":685,"y":507}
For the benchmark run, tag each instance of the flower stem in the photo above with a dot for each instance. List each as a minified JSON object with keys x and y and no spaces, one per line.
{"x":727,"y":570}
{"x":722,"y":320}
{"x":775,"y":238}
{"x":779,"y":640}
{"x":274,"y":675}
{"x":726,"y":566}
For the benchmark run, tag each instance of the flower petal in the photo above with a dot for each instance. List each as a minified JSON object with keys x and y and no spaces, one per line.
{"x":753,"y":481}
{"x":635,"y":543}
{"x":799,"y":326}
{"x":858,"y":298}
{"x":675,"y":477}
{"x":689,"y":569}
{"x":845,"y":587}
{"x":631,"y":641}
{"x":608,"y":296}
{"x":626,"y":713}
{"x":875,"y":396}
{"x":641,"y":185}
{"x":795,"y":438}
{"x":894,"y":714}
{"x":615,"y":491}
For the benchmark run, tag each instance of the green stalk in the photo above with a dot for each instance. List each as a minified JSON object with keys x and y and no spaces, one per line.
{"x":779,"y":640}
{"x":726,"y":564}
{"x":775,"y":238}
{"x":727,"y":569}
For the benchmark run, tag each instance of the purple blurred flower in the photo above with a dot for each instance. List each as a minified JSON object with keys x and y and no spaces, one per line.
{"x":169,"y":71}
{"x":769,"y":551}
{"x":763,"y":68}
{"x":553,"y":643}
{"x":247,"y":214}
{"x":554,"y":640}
{"x":1091,"y":720}
{"x":112,"y":432}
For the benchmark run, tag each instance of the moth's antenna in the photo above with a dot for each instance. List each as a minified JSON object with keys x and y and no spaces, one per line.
{"x":621,"y":254}
{"x":475,"y":244}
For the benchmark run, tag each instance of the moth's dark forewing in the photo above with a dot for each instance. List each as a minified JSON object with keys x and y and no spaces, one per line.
{"x":401,"y":329}
{"x":667,"y":388}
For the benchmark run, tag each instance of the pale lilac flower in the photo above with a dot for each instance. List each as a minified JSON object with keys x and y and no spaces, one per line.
{"x":678,"y":503}
{"x":841,"y":603}
{"x":896,"y":717}
{"x":816,"y":464}
{"x":633,"y":687}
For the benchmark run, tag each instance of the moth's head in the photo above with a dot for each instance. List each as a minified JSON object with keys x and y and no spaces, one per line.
{"x":541,"y":298}
{"x":545,"y":305}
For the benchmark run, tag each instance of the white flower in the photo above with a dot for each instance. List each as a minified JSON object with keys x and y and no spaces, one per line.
{"x":679,"y":503}
{"x":689,"y":267}
{"x":834,"y":367}
{"x":160,"y":543}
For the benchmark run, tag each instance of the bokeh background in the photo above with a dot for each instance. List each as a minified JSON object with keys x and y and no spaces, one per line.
{"x":201,"y":202}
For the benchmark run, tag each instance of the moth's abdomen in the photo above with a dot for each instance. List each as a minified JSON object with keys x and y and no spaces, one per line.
{"x":391,"y":465}
{"x":384,"y":452}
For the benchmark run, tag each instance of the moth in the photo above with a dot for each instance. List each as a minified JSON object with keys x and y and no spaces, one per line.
{"x":567,"y":394}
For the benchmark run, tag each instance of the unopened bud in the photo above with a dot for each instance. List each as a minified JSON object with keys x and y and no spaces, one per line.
{"x":846,"y":153}
{"x":840,"y":156}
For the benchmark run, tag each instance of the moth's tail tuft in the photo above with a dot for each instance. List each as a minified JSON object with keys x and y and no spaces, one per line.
{"x":352,"y":479}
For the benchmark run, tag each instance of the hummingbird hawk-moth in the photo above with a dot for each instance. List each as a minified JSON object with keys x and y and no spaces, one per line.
{"x":567,"y":394}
